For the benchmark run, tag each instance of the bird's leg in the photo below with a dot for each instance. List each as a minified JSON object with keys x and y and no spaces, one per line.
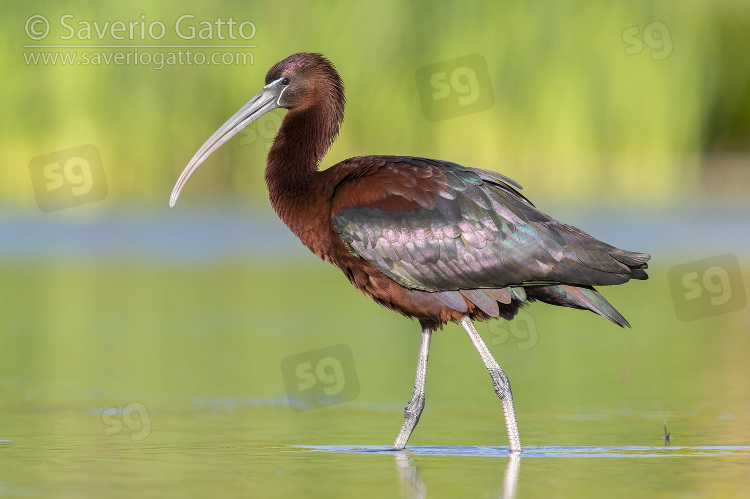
{"x":500,"y":381}
{"x":413,"y":409}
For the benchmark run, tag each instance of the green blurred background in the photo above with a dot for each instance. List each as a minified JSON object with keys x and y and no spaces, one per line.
{"x":630,"y":120}
{"x":572,"y":111}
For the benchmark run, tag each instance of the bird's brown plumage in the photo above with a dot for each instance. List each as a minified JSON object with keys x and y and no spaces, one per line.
{"x":430,"y":239}
{"x":433,"y":240}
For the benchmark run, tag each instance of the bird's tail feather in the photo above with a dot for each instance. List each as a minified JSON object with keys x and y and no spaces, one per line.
{"x":583,"y":297}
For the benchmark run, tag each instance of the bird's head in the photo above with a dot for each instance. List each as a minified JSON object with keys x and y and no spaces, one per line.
{"x":298,"y":83}
{"x":311,"y":79}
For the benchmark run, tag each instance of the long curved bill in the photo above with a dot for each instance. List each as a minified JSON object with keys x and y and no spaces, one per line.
{"x":266,"y":100}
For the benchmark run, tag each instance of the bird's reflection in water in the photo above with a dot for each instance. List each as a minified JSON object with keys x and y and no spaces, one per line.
{"x":415,"y":488}
{"x":510,"y":480}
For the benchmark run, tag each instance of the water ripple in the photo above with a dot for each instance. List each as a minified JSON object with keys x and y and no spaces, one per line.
{"x":477,"y":451}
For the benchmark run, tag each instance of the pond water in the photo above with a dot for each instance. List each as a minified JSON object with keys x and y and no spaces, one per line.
{"x":126,"y":372}
{"x":246,"y":453}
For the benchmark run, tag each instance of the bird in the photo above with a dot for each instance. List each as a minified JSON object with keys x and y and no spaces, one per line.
{"x":430,"y":239}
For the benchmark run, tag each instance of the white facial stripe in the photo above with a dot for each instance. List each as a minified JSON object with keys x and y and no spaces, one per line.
{"x":274,"y":82}
{"x":278,"y":101}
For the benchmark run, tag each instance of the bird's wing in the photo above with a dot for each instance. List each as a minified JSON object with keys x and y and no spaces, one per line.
{"x":437,"y":226}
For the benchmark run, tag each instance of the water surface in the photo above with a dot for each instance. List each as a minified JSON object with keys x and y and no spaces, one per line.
{"x":126,"y":372}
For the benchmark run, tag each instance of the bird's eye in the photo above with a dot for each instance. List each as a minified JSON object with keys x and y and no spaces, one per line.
{"x":285,"y":81}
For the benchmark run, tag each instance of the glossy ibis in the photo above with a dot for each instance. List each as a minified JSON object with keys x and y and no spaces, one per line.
{"x":430,"y":239}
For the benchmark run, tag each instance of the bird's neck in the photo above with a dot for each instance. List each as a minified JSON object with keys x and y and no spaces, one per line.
{"x":292,"y":169}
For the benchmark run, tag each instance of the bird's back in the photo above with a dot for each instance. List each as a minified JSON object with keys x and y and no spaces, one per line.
{"x":469,"y":237}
